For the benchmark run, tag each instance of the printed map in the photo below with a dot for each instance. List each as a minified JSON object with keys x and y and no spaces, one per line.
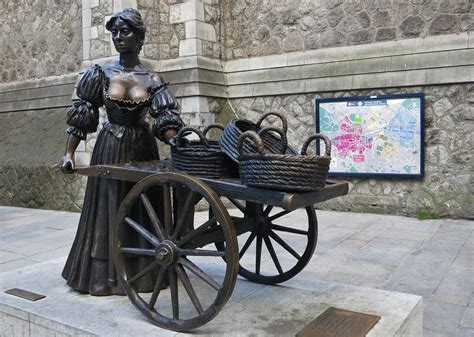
{"x":380,"y":136}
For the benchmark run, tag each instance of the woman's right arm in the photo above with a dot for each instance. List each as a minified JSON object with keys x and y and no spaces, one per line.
{"x":67,"y":164}
{"x":83,"y":115}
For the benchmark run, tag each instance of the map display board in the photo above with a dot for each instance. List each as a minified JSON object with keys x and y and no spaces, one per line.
{"x":374,"y":135}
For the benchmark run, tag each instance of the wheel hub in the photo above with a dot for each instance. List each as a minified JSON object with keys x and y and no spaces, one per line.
{"x":165,"y":253}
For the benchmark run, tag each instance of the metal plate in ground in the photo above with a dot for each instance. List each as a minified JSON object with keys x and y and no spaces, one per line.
{"x":28,"y":295}
{"x":339,"y":323}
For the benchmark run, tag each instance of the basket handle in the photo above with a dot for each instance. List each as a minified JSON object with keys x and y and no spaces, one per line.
{"x":284,"y":122}
{"x":188,"y":129}
{"x":280,"y":132}
{"x":255,"y":137}
{"x":212,"y":126}
{"x":326,"y":140}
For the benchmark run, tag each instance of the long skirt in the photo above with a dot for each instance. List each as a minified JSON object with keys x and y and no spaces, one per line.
{"x":88,"y":267}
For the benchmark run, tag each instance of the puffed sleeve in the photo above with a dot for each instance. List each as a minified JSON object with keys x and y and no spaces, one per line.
{"x":83,"y":115}
{"x":165,"y":111}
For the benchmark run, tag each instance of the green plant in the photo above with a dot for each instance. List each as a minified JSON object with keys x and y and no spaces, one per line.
{"x":424,"y":215}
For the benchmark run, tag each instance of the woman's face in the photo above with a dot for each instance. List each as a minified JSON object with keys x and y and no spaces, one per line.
{"x":125,"y":39}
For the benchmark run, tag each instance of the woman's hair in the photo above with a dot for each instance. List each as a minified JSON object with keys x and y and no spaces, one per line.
{"x":132,"y":17}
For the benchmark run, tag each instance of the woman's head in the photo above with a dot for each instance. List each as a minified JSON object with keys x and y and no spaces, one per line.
{"x":126,"y":27}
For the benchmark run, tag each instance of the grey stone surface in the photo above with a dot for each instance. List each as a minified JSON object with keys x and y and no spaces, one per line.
{"x":267,"y":311}
{"x":322,"y":24}
{"x":54,"y":48}
{"x":346,"y":241}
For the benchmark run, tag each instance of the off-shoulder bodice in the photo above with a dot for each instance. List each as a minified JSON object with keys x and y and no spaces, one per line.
{"x":128,"y":96}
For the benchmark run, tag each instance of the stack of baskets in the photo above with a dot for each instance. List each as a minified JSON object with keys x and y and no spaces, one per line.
{"x":265,"y":160}
{"x":234,"y":130}
{"x":280,"y":171}
{"x":202,"y":157}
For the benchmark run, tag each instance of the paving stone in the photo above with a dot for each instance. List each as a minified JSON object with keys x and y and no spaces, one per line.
{"x":442,"y":317}
{"x":386,"y":251}
{"x":456,"y":287}
{"x":16,"y":264}
{"x":468,"y":318}
{"x":7,"y":256}
{"x":360,"y":273}
{"x":465,"y":258}
{"x":450,"y":231}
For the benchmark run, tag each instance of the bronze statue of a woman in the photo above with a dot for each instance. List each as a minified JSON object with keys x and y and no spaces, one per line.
{"x":127,"y":90}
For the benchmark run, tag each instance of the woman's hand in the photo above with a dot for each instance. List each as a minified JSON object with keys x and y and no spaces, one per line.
{"x":169,"y":135}
{"x":67,"y":164}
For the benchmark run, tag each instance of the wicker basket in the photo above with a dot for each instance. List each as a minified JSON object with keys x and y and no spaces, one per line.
{"x":235,"y":129}
{"x":202,"y":158}
{"x":298,"y":173}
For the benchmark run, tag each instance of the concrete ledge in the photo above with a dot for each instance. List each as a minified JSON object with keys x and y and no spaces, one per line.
{"x":252,"y":309}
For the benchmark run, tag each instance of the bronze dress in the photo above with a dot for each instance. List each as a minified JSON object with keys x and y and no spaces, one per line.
{"x":124,"y":137}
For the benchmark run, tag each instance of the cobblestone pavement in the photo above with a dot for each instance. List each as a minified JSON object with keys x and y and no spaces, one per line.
{"x":432,"y":258}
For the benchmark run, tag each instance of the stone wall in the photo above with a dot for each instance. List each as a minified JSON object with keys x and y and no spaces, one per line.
{"x":39,"y":38}
{"x":255,"y":28}
{"x":162,"y":38}
{"x":31,"y":143}
{"x":447,"y":188}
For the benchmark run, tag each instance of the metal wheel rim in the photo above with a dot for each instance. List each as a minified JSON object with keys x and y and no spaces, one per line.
{"x":231,"y":251}
{"x":306,"y":256}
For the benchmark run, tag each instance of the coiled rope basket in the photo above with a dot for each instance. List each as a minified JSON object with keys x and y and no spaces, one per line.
{"x":279,"y":171}
{"x":233,"y":130}
{"x":203,"y":157}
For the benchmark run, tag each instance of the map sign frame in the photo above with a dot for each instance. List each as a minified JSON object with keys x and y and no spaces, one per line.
{"x":374,"y":136}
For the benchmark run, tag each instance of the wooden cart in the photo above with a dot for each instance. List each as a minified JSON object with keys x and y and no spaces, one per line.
{"x":206,"y":253}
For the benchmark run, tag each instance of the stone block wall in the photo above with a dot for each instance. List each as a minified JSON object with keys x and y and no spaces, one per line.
{"x":39,"y":38}
{"x":241,"y":58}
{"x":256,"y":28}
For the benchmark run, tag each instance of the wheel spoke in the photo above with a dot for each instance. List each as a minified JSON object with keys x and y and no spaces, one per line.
{"x":197,"y":231}
{"x":142,"y":272}
{"x":142,"y":231}
{"x":258,"y":255}
{"x":157,"y":288}
{"x":167,"y":209}
{"x":137,"y":251}
{"x":284,"y":244}
{"x":269,"y":245}
{"x":201,"y":252}
{"x":152,"y":215}
{"x":237,"y":204}
{"x":247,"y":244}
{"x":278,"y":215}
{"x":199,"y":273}
{"x":268,"y":210}
{"x":289,"y":230}
{"x":174,"y":293}
{"x":183,"y":215}
{"x":189,"y":288}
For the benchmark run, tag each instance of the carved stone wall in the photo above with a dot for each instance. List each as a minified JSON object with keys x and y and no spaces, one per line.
{"x":256,"y":28}
{"x":39,"y":38}
{"x":446,"y":190}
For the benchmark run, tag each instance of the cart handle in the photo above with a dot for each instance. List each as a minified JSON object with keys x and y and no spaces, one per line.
{"x":188,"y":129}
{"x":283,"y":137}
{"x":284,"y":122}
{"x":326,"y":140}
{"x":255,"y":137}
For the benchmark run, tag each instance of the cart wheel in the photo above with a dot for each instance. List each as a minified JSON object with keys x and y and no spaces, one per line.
{"x":176,"y":246}
{"x":271,"y":252}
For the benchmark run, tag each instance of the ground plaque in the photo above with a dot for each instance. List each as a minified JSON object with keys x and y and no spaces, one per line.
{"x":339,"y":323}
{"x":28,"y":295}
